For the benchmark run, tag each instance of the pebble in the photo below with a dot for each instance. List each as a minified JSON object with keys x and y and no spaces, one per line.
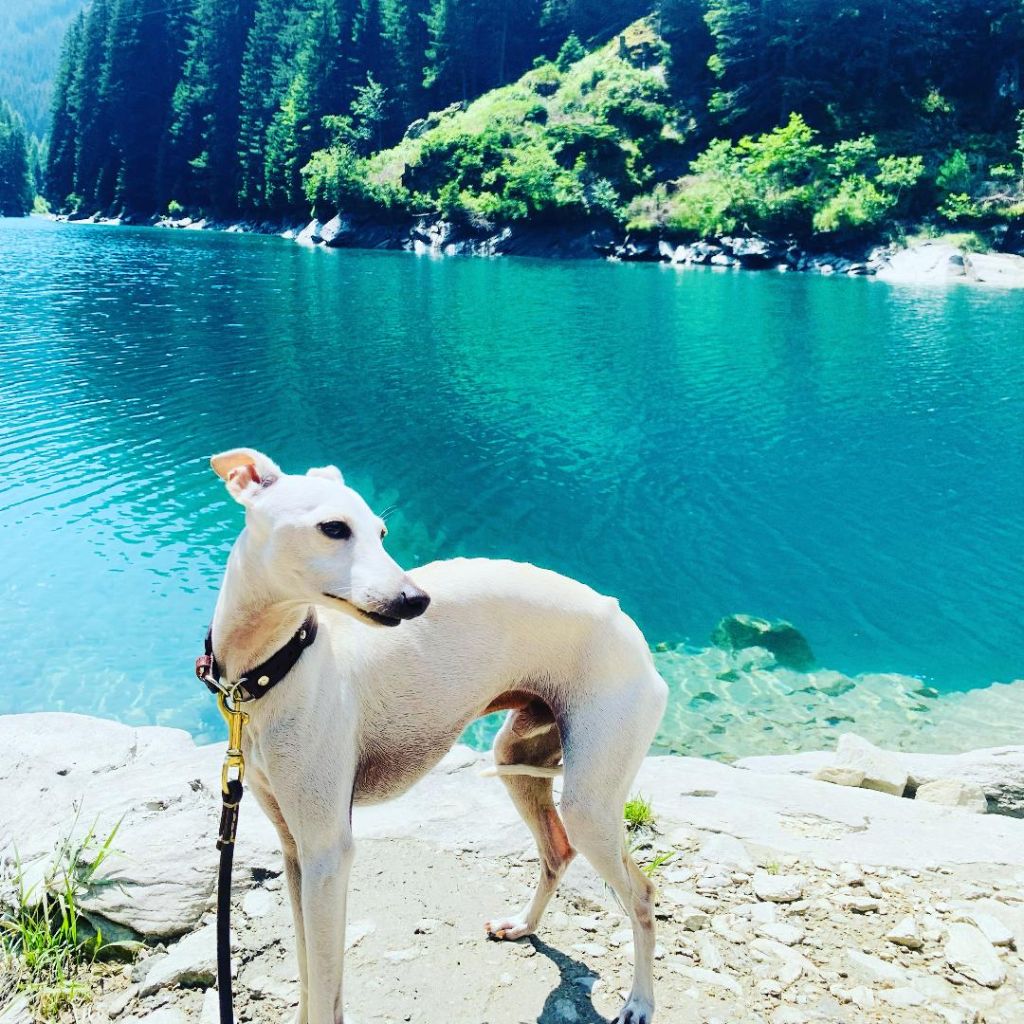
{"x":787,"y":934}
{"x":593,"y":949}
{"x":713,"y":979}
{"x":905,"y":933}
{"x":778,"y":888}
{"x":903,"y":997}
{"x":693,"y":920}
{"x":860,"y":904}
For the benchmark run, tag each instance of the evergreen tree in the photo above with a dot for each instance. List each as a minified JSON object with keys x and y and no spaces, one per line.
{"x":267,"y":70}
{"x":64,"y":123}
{"x":95,"y":164}
{"x":16,"y":191}
{"x":141,"y":73}
{"x":202,"y":165}
{"x":323,"y":85}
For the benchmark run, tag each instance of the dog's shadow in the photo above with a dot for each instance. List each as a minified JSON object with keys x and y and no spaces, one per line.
{"x":567,"y":990}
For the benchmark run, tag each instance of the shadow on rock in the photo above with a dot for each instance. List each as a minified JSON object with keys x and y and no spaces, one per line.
{"x":569,"y":1001}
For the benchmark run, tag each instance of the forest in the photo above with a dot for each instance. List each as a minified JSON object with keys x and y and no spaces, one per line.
{"x":823,"y":118}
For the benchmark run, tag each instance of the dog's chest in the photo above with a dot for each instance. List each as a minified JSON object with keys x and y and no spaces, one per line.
{"x":386,"y":771}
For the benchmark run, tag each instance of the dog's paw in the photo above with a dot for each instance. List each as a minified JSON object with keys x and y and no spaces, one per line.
{"x":636,"y":1011}
{"x":508,"y":928}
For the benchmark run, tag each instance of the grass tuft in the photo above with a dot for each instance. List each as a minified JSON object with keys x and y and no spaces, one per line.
{"x":639,"y":814}
{"x":47,"y":945}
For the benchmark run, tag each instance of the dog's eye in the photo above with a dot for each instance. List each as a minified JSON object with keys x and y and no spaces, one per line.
{"x":336,"y":529}
{"x":383,"y":534}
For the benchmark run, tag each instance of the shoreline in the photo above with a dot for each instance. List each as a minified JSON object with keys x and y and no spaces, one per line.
{"x":784,"y":899}
{"x":928,"y":262}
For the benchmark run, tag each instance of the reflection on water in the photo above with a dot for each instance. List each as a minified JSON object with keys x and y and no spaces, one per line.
{"x":840,"y":453}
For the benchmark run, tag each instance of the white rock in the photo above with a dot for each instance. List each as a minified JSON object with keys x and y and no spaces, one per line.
{"x":904,"y":997}
{"x":970,"y":953}
{"x":954,"y":793}
{"x":778,"y":888}
{"x":787,"y":934}
{"x":257,"y":903}
{"x":726,"y":851}
{"x":905,"y":933}
{"x":191,"y":962}
{"x":17,"y":1011}
{"x":874,"y":971}
{"x":859,"y":904}
{"x":713,"y":979}
{"x":882,"y":770}
{"x":991,"y":927}
{"x":709,"y":953}
{"x":839,"y":776}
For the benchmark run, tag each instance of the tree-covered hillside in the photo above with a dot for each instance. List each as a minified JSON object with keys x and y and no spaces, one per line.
{"x":799,"y":117}
{"x":30,"y":38}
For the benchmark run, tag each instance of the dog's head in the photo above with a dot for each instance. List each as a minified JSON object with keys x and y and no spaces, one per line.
{"x":317,"y":539}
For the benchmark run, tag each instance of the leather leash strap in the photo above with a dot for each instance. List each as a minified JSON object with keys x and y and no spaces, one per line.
{"x":231,"y":697}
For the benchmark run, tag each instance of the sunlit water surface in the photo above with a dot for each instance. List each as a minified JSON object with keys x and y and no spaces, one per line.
{"x":841,"y":453}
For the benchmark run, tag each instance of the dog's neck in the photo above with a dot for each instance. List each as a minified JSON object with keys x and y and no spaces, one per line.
{"x":252,"y":619}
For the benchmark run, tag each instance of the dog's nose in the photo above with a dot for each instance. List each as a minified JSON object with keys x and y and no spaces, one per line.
{"x":411,"y":604}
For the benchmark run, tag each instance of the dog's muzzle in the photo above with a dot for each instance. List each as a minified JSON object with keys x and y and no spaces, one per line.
{"x":410,"y":604}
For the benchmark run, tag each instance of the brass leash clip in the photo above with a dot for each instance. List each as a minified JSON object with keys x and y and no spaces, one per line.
{"x":234,"y":760}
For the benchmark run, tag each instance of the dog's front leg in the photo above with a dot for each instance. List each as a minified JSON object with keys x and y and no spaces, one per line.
{"x":325,"y":871}
{"x":294,"y":875}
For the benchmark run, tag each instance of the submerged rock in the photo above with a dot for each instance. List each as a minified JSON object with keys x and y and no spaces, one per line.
{"x":783,"y":639}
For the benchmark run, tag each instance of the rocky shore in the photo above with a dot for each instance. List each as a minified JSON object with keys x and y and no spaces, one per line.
{"x":924,"y":263}
{"x":785,"y":898}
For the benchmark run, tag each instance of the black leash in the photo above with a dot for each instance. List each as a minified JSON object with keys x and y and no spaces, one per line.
{"x":226,"y":844}
{"x":231,"y":697}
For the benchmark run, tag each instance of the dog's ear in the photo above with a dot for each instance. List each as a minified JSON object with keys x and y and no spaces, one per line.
{"x":327,"y":472}
{"x":245,"y":471}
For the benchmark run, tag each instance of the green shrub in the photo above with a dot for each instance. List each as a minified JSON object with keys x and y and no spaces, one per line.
{"x":955,"y":174}
{"x":572,"y":50}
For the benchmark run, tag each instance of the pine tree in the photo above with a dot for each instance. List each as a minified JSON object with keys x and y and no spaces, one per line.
{"x":267,"y":70}
{"x":323,"y":85}
{"x":202,"y":167}
{"x":141,"y":50}
{"x":16,"y":192}
{"x":95,"y":166}
{"x":60,"y":164}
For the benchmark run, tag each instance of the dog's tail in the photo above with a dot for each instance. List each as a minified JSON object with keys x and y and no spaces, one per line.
{"x":534,"y":770}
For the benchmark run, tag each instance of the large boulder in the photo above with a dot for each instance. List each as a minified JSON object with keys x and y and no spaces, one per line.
{"x":337,"y":232}
{"x":783,"y":639}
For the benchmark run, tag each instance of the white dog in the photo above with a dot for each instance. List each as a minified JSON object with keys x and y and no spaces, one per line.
{"x":366,"y":710}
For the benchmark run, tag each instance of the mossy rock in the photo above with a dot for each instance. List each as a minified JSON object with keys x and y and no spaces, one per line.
{"x":783,"y":639}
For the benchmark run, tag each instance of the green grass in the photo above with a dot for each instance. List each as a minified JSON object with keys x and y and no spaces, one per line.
{"x":968,"y":241}
{"x":651,"y":868}
{"x":47,"y":946}
{"x":639,"y":814}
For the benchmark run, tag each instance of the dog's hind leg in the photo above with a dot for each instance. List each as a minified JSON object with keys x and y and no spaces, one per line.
{"x":530,"y":736}
{"x":604,"y":746}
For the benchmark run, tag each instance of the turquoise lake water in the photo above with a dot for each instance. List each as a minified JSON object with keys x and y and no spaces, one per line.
{"x":842,"y":453}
